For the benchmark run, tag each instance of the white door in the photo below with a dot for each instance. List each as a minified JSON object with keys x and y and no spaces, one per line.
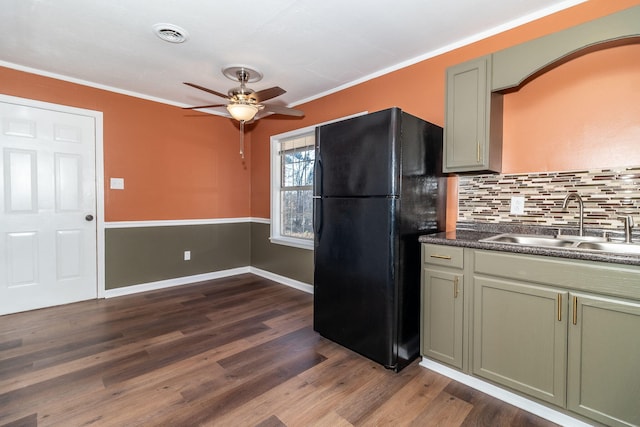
{"x":47,"y":207}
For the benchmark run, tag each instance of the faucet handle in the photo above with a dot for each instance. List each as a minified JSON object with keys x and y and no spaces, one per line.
{"x":628,"y":220}
{"x":628,"y":225}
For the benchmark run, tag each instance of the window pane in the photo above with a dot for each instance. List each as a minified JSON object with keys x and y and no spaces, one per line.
{"x":297,"y":156}
{"x":297,"y":166}
{"x":307,"y":167}
{"x":297,"y":213}
{"x":288,"y":175}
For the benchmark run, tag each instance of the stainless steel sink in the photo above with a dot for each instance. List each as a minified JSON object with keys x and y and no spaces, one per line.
{"x":578,"y":239}
{"x":618,"y":248}
{"x":586,"y":243}
{"x":531,"y":240}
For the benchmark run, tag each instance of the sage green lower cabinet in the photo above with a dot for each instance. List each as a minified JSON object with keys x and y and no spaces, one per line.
{"x":564,"y":332}
{"x":442,"y":318}
{"x":442,"y":306}
{"x":520,"y":337}
{"x":604,"y":359}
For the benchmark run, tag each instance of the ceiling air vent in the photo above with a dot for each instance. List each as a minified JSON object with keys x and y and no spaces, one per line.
{"x":171,"y":33}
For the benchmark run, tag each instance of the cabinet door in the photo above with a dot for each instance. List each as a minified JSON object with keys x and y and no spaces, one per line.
{"x":520,"y":337}
{"x":468,"y":115}
{"x":442,"y":316}
{"x":604,"y":360}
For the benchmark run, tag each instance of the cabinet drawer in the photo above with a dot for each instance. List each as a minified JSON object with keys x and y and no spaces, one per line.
{"x":599,"y":277}
{"x":449,"y":256}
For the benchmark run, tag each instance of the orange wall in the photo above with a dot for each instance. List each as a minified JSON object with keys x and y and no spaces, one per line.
{"x":419,"y":89}
{"x":569,"y":119}
{"x":176,"y":165}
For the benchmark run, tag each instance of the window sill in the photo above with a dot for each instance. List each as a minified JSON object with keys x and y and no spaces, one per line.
{"x":296,"y":243}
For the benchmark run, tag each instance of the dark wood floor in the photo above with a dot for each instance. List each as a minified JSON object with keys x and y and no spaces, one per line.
{"x":232,"y":352}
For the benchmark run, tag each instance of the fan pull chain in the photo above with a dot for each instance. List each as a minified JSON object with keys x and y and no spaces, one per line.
{"x":242,"y":138}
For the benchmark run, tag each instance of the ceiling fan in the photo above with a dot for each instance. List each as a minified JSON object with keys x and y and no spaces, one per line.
{"x":244,"y":104}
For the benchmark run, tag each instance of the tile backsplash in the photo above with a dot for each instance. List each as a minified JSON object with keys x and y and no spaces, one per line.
{"x":607,"y":194}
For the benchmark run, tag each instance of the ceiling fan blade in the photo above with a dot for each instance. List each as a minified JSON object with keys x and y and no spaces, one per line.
{"x":204,"y":106}
{"x":221,"y":95}
{"x":262,"y":113}
{"x":277,"y":109}
{"x":266,"y":94}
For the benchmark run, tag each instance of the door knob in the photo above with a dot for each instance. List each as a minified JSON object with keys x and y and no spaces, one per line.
{"x":89,"y":217}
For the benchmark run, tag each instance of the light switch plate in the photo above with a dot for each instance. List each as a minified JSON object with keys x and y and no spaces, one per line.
{"x":517,"y":205}
{"x":116,"y":183}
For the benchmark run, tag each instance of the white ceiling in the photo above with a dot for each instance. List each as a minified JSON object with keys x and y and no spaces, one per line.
{"x":308,"y":47}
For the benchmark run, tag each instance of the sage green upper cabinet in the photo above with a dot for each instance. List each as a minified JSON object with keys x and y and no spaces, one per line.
{"x":604,"y":359}
{"x":512,"y":66}
{"x":474,"y":89}
{"x":472,"y":142}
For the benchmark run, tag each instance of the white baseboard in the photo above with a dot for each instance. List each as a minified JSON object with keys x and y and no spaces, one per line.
{"x":305,"y":287}
{"x":178,"y":281}
{"x":188,"y":280}
{"x":504,"y":395}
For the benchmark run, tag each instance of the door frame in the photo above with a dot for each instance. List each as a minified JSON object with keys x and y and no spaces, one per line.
{"x":99,"y":173}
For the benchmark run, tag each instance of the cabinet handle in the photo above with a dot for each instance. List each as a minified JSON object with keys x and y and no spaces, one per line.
{"x":455,"y":287}
{"x":559,"y":307}
{"x":478,"y":150}
{"x":440,"y":256}
{"x":575,"y":310}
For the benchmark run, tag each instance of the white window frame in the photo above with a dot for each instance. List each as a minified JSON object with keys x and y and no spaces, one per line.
{"x":275,"y":233}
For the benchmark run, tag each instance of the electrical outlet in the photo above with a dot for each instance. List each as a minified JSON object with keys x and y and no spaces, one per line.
{"x":116,"y":183}
{"x":187,"y":255}
{"x":517,"y":205}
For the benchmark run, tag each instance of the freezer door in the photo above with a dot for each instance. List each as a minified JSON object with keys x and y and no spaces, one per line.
{"x":358,"y":156}
{"x":354,"y":280}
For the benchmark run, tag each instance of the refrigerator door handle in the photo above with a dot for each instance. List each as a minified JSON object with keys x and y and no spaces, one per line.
{"x":317,"y":216}
{"x":317,"y":176}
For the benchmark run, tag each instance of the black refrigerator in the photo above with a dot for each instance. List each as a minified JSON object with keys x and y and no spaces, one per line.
{"x":378,"y":185}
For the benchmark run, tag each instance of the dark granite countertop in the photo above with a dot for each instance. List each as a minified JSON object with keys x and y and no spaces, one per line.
{"x":470,"y":238}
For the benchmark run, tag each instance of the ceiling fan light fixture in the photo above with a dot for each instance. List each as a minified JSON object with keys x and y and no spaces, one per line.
{"x":243,"y":112}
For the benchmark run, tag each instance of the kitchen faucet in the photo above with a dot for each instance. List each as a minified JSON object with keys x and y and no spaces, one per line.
{"x":578,"y":199}
{"x":628,"y":225}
